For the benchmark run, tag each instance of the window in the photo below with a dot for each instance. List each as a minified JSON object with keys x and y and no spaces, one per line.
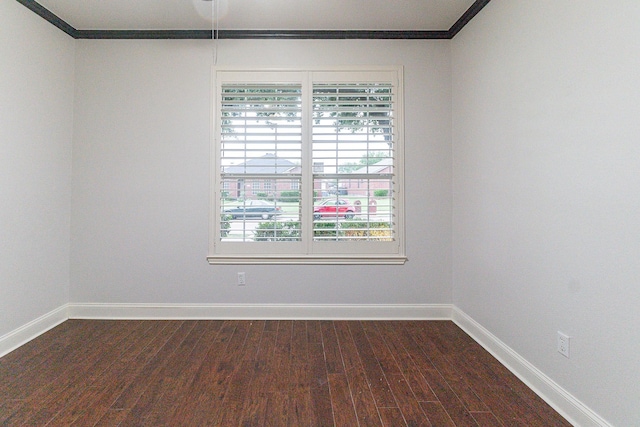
{"x":326,"y":146}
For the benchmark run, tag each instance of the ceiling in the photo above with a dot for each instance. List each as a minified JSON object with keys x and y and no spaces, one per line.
{"x":262,"y":15}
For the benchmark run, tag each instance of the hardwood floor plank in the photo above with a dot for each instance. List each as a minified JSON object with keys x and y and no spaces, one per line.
{"x":333,"y":358}
{"x":46,"y":370}
{"x":320,"y":395}
{"x":445,"y":358}
{"x":176,"y":395}
{"x":245,"y":400}
{"x":165,"y":378}
{"x":375,"y":376}
{"x":153,"y":365}
{"x":263,"y":373}
{"x":199,"y":395}
{"x":486,"y":419}
{"x":446,"y":396}
{"x":343,"y":407}
{"x":81,"y":396}
{"x":407,"y":365}
{"x":36,"y":351}
{"x":73,"y":375}
{"x":392,"y":417}
{"x":300,"y":408}
{"x":437,"y":414}
{"x":364,"y":404}
{"x":277,"y":410}
{"x":406,"y":400}
{"x":110,"y":385}
{"x":211,"y":409}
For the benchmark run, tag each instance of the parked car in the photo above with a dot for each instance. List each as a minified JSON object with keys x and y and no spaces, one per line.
{"x":254,"y":208}
{"x":332,"y":208}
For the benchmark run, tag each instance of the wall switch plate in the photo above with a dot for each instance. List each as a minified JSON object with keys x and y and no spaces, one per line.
{"x":242,"y":279}
{"x":563,"y":344}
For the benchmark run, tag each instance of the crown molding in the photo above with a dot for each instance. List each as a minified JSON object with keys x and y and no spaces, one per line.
{"x":41,"y":11}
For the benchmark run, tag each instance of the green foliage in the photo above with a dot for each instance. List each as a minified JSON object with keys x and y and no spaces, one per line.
{"x":225,"y":225}
{"x":274,"y":231}
{"x":292,"y":196}
{"x":380,"y":193}
{"x":362,"y":230}
{"x":325,"y":229}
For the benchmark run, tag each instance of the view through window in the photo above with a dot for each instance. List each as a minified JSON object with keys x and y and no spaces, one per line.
{"x":307,"y":165}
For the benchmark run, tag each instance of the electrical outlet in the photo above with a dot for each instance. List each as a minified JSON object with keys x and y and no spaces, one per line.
{"x":563,"y":344}
{"x":242,"y":279}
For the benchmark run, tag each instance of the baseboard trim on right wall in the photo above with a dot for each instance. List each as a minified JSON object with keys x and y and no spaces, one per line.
{"x":562,"y":401}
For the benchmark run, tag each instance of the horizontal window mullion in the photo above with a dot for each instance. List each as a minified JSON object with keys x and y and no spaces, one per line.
{"x":260,"y":175}
{"x":346,"y":176}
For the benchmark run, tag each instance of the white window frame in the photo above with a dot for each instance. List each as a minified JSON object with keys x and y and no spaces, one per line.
{"x":308,"y":250}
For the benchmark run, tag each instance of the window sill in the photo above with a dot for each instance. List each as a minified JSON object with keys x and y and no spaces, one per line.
{"x":308,"y":259}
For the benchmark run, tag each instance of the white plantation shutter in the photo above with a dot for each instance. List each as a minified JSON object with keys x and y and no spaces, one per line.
{"x":353,"y":140}
{"x":323,"y":148}
{"x":260,"y":152}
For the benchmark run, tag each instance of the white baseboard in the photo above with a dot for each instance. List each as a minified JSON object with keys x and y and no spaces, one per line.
{"x":558,"y":398}
{"x":31,"y":330}
{"x":261,"y":311}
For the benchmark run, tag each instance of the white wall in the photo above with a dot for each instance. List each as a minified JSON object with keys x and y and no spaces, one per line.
{"x":141,"y":176}
{"x":36,"y":106}
{"x":546,"y":136}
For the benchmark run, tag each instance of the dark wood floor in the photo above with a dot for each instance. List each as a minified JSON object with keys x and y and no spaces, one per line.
{"x":262,"y":373}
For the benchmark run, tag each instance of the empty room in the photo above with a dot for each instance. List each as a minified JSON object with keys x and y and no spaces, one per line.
{"x":341,"y":213}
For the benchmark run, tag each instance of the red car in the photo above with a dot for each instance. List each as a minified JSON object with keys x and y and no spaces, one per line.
{"x":332,"y":208}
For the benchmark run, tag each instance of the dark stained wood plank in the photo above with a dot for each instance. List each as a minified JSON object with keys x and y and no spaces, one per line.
{"x":86,"y":402}
{"x":499,"y":388}
{"x":332,"y":356}
{"x":364,"y":404}
{"x":486,"y":419}
{"x":200,"y":393}
{"x":44,"y":371}
{"x":174,"y":397}
{"x":109,"y":386}
{"x":36,"y":351}
{"x":153,"y":367}
{"x":341,"y":402}
{"x":453,"y":375}
{"x":210,"y":409}
{"x":277,"y":410}
{"x":446,"y":396}
{"x":300,"y":411}
{"x":251,"y":406}
{"x":437,"y":414}
{"x":165,"y":378}
{"x":262,"y":373}
{"x":74,"y":374}
{"x":417,"y":383}
{"x":319,"y":390}
{"x":375,"y":375}
{"x":392,"y":417}
{"x":406,"y":400}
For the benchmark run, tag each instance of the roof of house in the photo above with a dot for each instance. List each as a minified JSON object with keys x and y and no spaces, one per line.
{"x":376,"y":167}
{"x":268,"y":163}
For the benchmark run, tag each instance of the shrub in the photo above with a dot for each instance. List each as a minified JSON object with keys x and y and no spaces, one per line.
{"x":290,"y":196}
{"x":325,"y":229}
{"x":225,"y":225}
{"x":380,"y":193}
{"x":361,"y":230}
{"x":274,"y":231}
